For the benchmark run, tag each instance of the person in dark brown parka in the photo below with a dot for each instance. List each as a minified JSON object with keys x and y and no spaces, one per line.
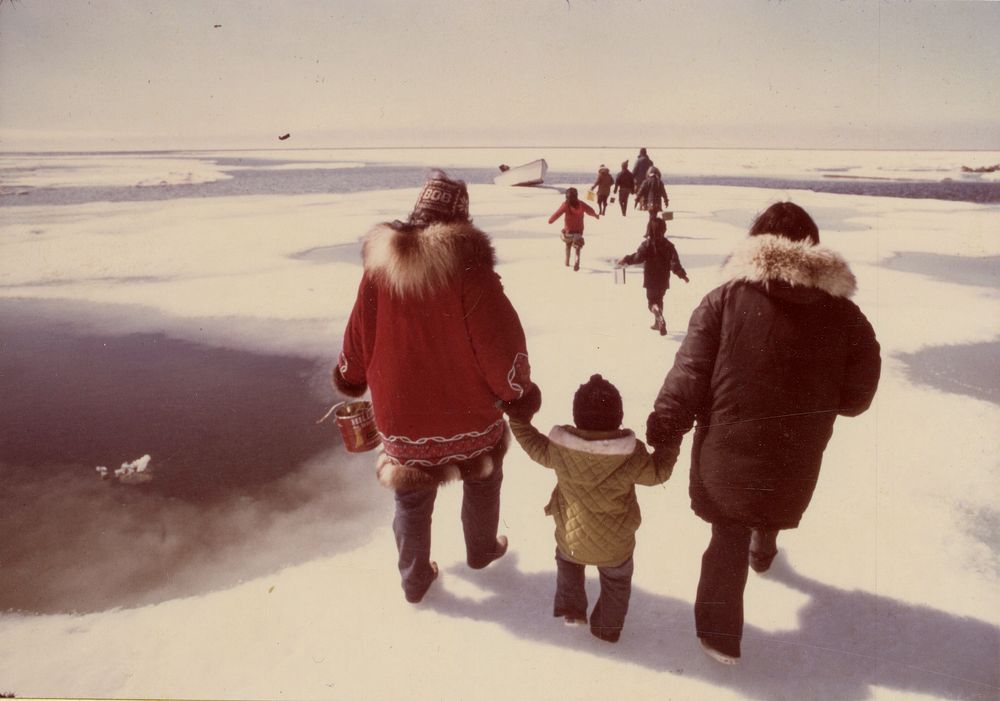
{"x":771,"y":358}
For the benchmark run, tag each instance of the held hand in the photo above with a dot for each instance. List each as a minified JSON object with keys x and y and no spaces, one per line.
{"x":620,"y":263}
{"x":685,"y":279}
{"x":658,"y":435}
{"x":345,"y":387}
{"x":524,"y":408}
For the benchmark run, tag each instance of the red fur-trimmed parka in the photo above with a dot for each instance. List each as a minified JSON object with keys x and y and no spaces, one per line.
{"x":436,"y":340}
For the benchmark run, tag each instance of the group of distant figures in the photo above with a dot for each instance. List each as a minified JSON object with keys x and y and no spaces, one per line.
{"x":656,"y":253}
{"x":645,"y":180}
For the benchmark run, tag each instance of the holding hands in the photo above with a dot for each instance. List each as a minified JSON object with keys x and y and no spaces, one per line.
{"x":524,"y":408}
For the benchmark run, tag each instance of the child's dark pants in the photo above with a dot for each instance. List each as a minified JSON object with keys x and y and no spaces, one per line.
{"x":608,"y":616}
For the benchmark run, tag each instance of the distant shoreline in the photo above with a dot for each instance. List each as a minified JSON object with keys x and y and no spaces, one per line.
{"x":246,"y":181}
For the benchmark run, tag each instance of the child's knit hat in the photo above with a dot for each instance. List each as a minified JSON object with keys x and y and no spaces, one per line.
{"x":597,"y":406}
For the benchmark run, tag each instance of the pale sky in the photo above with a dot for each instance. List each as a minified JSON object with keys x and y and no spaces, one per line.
{"x":737,"y":73}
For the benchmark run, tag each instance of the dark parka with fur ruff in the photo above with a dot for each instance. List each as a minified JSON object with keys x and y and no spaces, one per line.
{"x":770,"y":359}
{"x":438,"y":342}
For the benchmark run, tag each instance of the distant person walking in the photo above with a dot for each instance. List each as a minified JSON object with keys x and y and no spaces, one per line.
{"x":597,"y":465}
{"x":436,"y":339}
{"x":658,"y":257}
{"x":624,"y":185}
{"x":652,"y":195}
{"x":771,"y":358}
{"x":603,"y":184}
{"x":642,"y":165}
{"x":572,"y":232}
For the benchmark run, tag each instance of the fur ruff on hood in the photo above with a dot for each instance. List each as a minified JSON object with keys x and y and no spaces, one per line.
{"x":413,"y":260}
{"x":768,"y":258}
{"x":407,"y":478}
{"x":617,"y":442}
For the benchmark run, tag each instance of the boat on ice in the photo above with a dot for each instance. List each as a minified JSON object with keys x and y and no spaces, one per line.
{"x":532,"y":173}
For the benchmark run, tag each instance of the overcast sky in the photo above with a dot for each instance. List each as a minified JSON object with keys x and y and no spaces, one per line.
{"x":734,"y":73}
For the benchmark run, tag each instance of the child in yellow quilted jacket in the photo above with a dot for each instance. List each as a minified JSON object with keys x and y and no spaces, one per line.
{"x":597,"y":465}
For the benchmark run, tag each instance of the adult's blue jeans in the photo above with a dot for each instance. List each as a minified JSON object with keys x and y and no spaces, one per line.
{"x":412,"y":528}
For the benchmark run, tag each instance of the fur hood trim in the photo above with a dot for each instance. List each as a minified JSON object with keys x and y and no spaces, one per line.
{"x":413,"y":260}
{"x":620,"y":442}
{"x":769,"y":258}
{"x":401,"y":477}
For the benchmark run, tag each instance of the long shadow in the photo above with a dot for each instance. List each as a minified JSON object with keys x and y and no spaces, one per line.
{"x":244,"y":480}
{"x":846,"y":643}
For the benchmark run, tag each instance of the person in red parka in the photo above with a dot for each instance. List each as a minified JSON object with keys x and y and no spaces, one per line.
{"x":771,"y":358}
{"x":436,"y":340}
{"x":572,"y":232}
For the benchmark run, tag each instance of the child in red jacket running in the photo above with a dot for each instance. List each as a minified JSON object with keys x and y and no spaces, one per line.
{"x":572,"y":233}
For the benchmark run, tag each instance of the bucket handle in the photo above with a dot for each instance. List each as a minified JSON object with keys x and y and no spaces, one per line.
{"x":330,"y":411}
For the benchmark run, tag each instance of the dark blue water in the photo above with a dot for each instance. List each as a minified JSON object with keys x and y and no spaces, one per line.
{"x":248,"y":178}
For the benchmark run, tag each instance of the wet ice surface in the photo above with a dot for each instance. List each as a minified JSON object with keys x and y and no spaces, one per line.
{"x":970,"y":369}
{"x":980,"y":271}
{"x":241,"y":471}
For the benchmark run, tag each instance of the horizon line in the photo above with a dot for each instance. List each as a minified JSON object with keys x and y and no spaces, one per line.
{"x":504,"y":146}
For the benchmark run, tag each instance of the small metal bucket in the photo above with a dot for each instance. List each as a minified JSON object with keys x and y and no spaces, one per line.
{"x":620,"y":275}
{"x":356,"y":421}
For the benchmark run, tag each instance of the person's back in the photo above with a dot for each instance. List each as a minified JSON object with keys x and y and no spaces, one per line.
{"x":659,"y":258}
{"x":642,"y":164}
{"x":624,"y":186}
{"x":597,"y":465}
{"x":437,"y":342}
{"x":652,"y":194}
{"x":573,"y":211}
{"x":418,"y":283}
{"x":625,"y":180}
{"x":771,"y":358}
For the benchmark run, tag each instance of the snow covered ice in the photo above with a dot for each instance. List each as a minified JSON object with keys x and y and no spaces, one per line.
{"x":889,"y":589}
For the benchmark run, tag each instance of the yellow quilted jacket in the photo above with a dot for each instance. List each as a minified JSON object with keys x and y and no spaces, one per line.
{"x":594,"y":503}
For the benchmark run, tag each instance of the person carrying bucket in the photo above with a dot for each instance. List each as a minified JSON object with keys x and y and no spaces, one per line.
{"x":659,"y":258}
{"x":450,"y":349}
{"x":572,"y":232}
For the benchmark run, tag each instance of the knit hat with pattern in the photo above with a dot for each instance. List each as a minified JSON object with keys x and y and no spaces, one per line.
{"x":441,"y":200}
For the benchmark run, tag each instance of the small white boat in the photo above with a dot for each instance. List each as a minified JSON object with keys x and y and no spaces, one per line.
{"x":528,"y":174}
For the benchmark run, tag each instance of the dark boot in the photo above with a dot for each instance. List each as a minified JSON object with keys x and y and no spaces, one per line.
{"x":659,"y":324}
{"x":763,"y":549}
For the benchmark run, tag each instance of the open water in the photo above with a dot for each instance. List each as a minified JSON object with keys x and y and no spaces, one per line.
{"x":251,"y":176}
